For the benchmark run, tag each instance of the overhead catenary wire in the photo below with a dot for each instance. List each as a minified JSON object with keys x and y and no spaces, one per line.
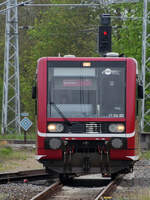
{"x":14,"y":6}
{"x":61,"y":5}
{"x":25,"y":3}
{"x":80,"y":5}
{"x":100,"y":2}
{"x":28,"y":4}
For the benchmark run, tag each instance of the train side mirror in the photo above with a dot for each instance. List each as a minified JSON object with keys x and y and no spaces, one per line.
{"x":34,"y":92}
{"x":140,"y":91}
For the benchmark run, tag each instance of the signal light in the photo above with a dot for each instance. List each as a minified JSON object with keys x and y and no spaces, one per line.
{"x":105,"y":33}
{"x":104,"y":39}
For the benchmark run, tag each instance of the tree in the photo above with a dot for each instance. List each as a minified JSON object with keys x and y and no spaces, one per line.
{"x":54,"y":31}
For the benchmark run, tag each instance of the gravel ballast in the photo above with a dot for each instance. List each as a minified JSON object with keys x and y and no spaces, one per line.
{"x":16,"y":191}
{"x":135,"y":186}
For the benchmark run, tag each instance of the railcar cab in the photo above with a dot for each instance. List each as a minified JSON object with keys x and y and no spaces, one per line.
{"x":86,"y":113}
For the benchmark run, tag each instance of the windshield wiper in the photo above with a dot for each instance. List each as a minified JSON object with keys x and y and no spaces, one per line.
{"x":61,"y":113}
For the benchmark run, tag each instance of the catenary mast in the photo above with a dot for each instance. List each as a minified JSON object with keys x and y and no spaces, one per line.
{"x":11,"y":91}
{"x":145,"y":67}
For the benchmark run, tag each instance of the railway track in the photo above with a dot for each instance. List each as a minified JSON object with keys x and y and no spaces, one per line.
{"x":110,"y":188}
{"x":59,"y":191}
{"x":24,"y":175}
{"x":48,"y":192}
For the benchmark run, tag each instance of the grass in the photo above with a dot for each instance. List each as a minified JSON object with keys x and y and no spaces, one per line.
{"x":146,"y":155}
{"x":7,"y":153}
{"x":29,"y":136}
{"x":9,"y":158}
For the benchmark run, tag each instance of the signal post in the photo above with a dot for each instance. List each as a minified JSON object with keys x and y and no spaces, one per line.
{"x":105,"y":29}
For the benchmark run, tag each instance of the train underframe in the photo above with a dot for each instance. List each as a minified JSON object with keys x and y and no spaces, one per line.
{"x":93,"y":158}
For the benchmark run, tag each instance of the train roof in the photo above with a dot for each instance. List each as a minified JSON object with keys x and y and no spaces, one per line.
{"x":109,"y":57}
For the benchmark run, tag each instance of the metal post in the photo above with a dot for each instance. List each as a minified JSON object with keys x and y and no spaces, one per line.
{"x":11,"y":88}
{"x":145,"y":68}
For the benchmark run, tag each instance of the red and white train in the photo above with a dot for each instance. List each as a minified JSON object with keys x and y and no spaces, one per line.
{"x":87,"y":111}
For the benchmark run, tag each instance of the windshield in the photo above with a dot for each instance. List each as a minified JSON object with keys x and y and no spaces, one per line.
{"x":86,"y":92}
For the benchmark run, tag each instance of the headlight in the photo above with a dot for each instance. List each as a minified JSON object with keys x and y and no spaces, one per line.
{"x":55,"y":127}
{"x":118,"y":128}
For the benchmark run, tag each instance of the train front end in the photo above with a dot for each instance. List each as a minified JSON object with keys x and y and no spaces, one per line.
{"x":87,"y":114}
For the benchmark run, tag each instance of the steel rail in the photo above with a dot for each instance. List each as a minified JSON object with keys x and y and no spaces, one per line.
{"x":108,"y":190}
{"x":48,"y":192}
{"x":57,"y":187}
